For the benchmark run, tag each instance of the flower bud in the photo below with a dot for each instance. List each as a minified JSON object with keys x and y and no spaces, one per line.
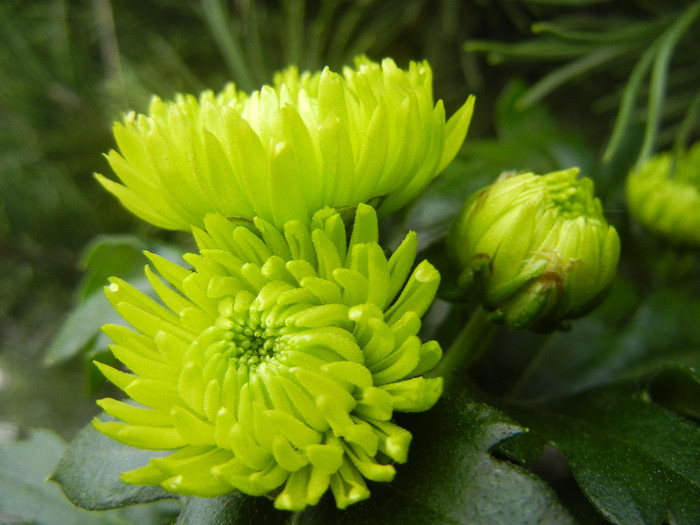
{"x":274,"y":367}
{"x":372,"y":134}
{"x":665,"y":198}
{"x":535,"y":249}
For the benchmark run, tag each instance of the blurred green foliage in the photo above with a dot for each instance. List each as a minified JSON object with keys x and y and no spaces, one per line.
{"x":595,"y":83}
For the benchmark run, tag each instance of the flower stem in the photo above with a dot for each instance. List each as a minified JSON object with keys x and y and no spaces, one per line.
{"x":474,"y":338}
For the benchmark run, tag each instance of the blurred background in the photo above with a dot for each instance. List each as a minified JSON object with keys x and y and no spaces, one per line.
{"x":593,"y":83}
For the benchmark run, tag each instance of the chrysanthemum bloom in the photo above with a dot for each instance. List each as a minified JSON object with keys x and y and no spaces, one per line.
{"x":535,"y":249}
{"x":275,"y":365}
{"x":372,"y":134}
{"x":665,"y":198}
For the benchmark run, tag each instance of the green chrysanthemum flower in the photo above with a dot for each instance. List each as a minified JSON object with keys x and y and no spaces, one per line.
{"x":372,"y":134}
{"x":535,"y":249}
{"x":275,"y":366}
{"x":665,"y":198}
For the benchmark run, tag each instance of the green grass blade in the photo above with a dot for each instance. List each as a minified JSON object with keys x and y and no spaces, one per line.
{"x":689,"y":121}
{"x":294,"y":31}
{"x":569,"y":30}
{"x":571,"y":70}
{"x":539,"y":49}
{"x":659,"y":76}
{"x":216,"y":19}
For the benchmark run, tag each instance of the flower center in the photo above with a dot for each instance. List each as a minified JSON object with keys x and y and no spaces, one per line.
{"x":571,"y":196}
{"x":251,"y":336}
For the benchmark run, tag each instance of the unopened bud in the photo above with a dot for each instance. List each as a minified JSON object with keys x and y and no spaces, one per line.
{"x":535,"y":250}
{"x":665,"y":198}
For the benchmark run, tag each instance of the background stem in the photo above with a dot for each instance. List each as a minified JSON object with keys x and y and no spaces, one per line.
{"x":474,"y":338}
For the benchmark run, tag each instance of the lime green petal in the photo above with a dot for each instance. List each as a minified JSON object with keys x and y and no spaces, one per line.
{"x":394,"y":441}
{"x":338,"y":161}
{"x":148,"y":437}
{"x":430,"y":355}
{"x":247,"y":450}
{"x":298,"y":433}
{"x":191,"y":428}
{"x":223,"y":184}
{"x":173,"y":300}
{"x":305,"y":159}
{"x":138,"y":207}
{"x":408,"y":325}
{"x":120,"y":379}
{"x":374,"y":403}
{"x":124,"y":336}
{"x":320,"y":316}
{"x":251,"y":161}
{"x":332,"y":338}
{"x":254,"y":483}
{"x":146,"y":322}
{"x":304,"y":405}
{"x":327,"y":292}
{"x":299,"y":240}
{"x":322,"y":388}
{"x":153,"y":394}
{"x":294,"y":496}
{"x":418,"y":294}
{"x":398,"y":364}
{"x":329,"y":258}
{"x":135,"y":415}
{"x":327,"y":457}
{"x":196,"y":479}
{"x":286,"y":199}
{"x":414,"y":395}
{"x":348,"y":487}
{"x":146,"y":475}
{"x":287,"y":456}
{"x":250,"y":247}
{"x":355,"y":286}
{"x":368,"y":467}
{"x":456,"y":131}
{"x":349,"y":372}
{"x":401,"y":262}
{"x":149,"y":366}
{"x":372,"y":160}
{"x":172,"y":272}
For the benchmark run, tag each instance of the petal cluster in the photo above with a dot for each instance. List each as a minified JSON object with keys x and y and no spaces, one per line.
{"x":535,"y":249}
{"x":274,"y":366}
{"x":369,"y":134}
{"x":664,"y":196}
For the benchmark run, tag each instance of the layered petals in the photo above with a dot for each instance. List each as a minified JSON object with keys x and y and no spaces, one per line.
{"x":535,"y":249}
{"x":664,"y":196}
{"x":371,"y":134}
{"x":274,"y":366}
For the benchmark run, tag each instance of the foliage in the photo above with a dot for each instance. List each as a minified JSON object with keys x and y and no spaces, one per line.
{"x":639,"y":39}
{"x":593,"y":425}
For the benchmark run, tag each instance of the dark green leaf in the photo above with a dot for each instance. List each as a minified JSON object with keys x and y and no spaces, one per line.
{"x":110,"y":255}
{"x":451,"y":478}
{"x":231,"y":510}
{"x":80,"y":328}
{"x":89,"y":472}
{"x":525,"y":448}
{"x":661,"y":332}
{"x":118,"y":255}
{"x":678,"y":389}
{"x":635,"y":461}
